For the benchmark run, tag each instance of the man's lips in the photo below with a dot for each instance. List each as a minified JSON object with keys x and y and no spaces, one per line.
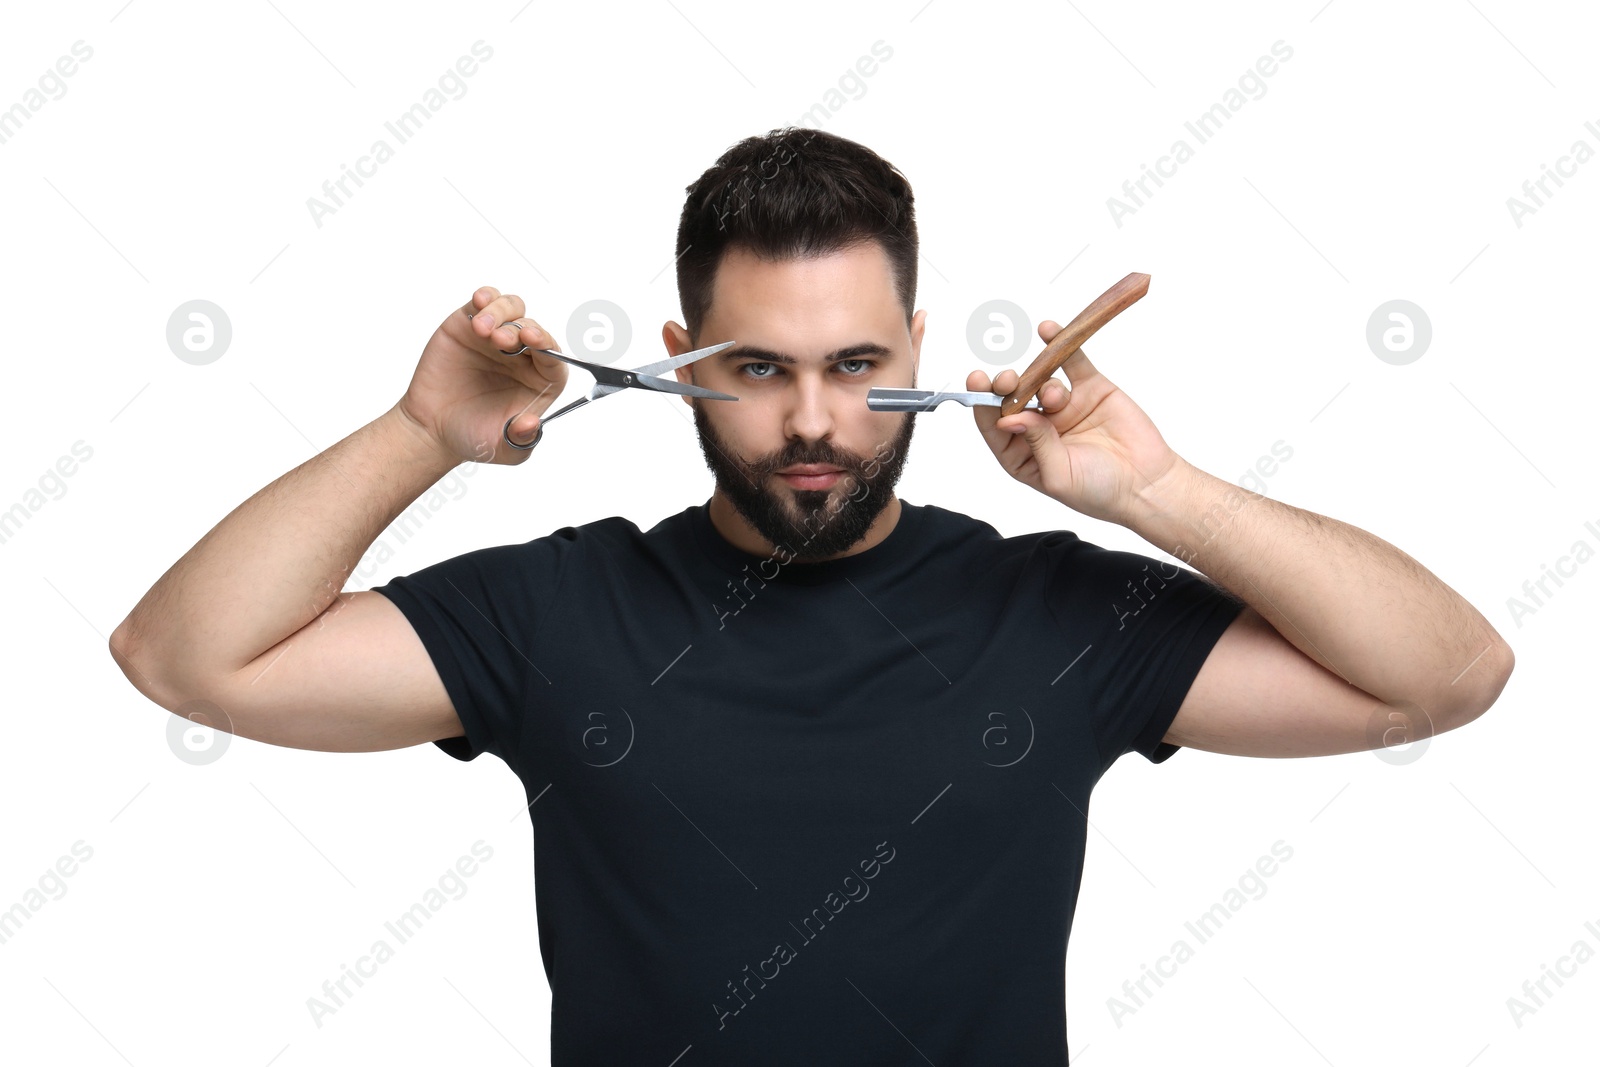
{"x":810,"y":468}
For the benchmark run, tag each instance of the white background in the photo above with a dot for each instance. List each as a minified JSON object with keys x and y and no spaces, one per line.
{"x":177,"y":166}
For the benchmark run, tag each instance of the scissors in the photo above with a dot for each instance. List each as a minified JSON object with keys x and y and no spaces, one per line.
{"x":610,"y":380}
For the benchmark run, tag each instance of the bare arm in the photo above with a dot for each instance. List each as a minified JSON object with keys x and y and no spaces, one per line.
{"x":1351,"y":602}
{"x":253,"y":619}
{"x":1346,"y":643}
{"x":279,"y":559}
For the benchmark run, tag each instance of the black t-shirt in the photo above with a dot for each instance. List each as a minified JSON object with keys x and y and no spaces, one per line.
{"x":810,"y":813}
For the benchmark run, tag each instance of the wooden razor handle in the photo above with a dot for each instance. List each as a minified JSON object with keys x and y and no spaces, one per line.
{"x":1105,"y":308}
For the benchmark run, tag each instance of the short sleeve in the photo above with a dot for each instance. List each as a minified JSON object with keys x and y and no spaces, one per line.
{"x":478,"y":616}
{"x":1148,"y":626}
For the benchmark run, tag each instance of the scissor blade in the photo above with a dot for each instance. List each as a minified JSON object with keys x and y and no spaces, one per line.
{"x":883,"y":398}
{"x":670,"y":385}
{"x":677,"y":361}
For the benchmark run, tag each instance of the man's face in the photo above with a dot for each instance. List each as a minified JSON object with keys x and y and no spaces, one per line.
{"x":813,"y":336}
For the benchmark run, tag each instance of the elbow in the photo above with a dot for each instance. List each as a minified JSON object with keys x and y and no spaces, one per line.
{"x":184,"y":694}
{"x":1493,"y":671}
{"x":124,"y":649}
{"x":121,"y":648}
{"x":184,"y":699}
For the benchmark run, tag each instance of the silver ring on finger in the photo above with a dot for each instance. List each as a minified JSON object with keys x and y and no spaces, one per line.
{"x":519,"y":351}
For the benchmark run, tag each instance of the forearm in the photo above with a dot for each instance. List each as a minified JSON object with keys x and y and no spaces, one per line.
{"x":280,"y":558}
{"x":1351,"y":601}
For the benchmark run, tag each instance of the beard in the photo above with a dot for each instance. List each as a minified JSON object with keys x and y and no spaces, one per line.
{"x":810,"y":524}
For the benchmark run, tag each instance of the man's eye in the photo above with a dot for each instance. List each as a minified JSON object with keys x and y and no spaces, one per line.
{"x":865,"y":364}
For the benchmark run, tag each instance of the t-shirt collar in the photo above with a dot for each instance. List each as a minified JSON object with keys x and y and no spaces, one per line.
{"x":879,"y":557}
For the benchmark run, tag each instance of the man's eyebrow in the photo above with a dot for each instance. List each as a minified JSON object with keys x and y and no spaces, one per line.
{"x":765,"y":355}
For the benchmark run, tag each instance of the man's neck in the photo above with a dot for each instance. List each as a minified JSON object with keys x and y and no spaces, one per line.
{"x":738,"y":532}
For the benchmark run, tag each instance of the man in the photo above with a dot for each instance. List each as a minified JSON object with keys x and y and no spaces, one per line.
{"x":808,"y":765}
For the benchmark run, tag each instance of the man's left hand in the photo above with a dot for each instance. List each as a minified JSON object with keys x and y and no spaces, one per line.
{"x":1092,"y":449}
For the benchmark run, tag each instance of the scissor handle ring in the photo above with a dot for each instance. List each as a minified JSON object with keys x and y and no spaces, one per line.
{"x":505,"y":432}
{"x":518,"y":352}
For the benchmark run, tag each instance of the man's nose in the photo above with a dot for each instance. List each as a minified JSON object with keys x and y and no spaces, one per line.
{"x":811,"y":413}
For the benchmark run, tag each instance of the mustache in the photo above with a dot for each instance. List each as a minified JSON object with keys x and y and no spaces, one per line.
{"x":848,"y":461}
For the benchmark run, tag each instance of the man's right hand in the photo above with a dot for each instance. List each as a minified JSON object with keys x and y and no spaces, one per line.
{"x":466,"y":387}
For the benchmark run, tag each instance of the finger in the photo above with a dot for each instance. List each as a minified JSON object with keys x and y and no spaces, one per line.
{"x":505,"y":308}
{"x":1005,"y":385}
{"x":493,"y":322}
{"x":508,"y":329}
{"x":479,"y":300}
{"x":532,"y":334}
{"x":1048,"y":329}
{"x":524,"y":427}
{"x":512,"y":332}
{"x":985,"y":415}
{"x":1077,"y":367}
{"x":1053,"y":395}
{"x":477,"y":321}
{"x":978,"y":382}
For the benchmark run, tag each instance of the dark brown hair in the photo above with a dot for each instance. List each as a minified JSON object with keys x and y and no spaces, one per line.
{"x":791,"y":193}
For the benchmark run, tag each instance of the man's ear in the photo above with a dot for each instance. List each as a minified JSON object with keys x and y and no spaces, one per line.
{"x":676,"y":339}
{"x":919,"y":323}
